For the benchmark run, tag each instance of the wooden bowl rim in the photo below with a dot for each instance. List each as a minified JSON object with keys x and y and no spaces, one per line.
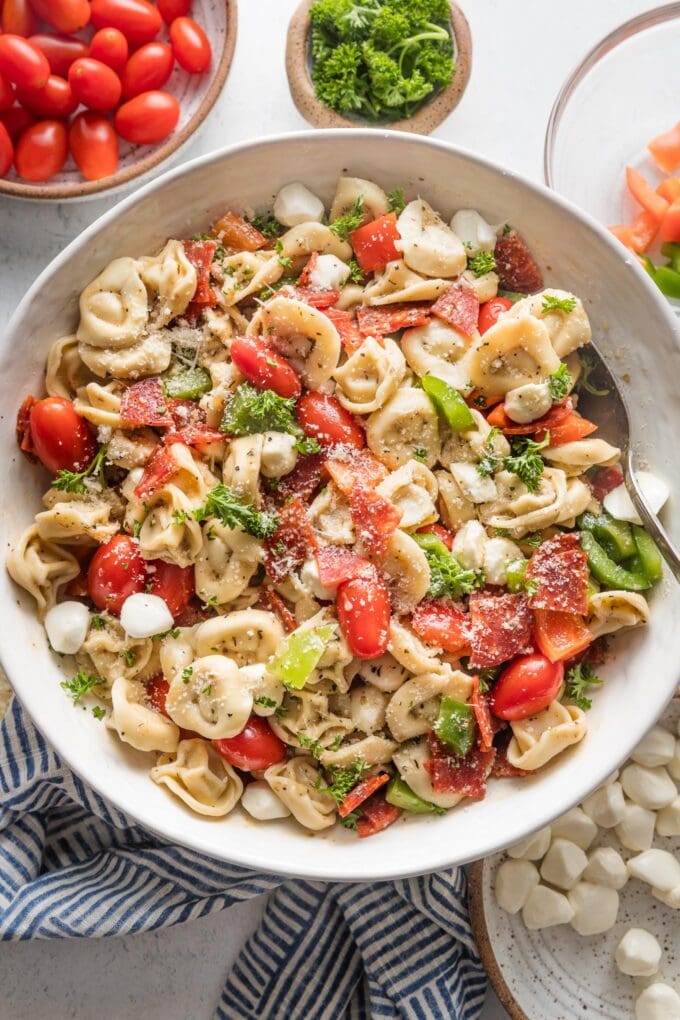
{"x":425,"y":120}
{"x":83,"y":189}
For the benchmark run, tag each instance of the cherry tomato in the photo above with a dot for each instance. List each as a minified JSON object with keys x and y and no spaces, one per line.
{"x":157,"y":692}
{"x":363,"y":606}
{"x":23,"y":63}
{"x":94,"y":145}
{"x":117,"y":570}
{"x":148,"y":68}
{"x":6,"y":151}
{"x":111,"y":47}
{"x":17,"y":120}
{"x":255,"y":748}
{"x":138,"y":20}
{"x":175,"y":585}
{"x":61,"y":438}
{"x":18,"y":18}
{"x":148,"y":118}
{"x":171,"y":9}
{"x":324,"y":418}
{"x":60,"y":51}
{"x":65,"y":15}
{"x":442,"y":533}
{"x":94,"y":84}
{"x":41,"y":150}
{"x":191,"y":45}
{"x":489,"y":312}
{"x":264,"y":368}
{"x":6,"y":95}
{"x":55,"y":99}
{"x":526,"y":687}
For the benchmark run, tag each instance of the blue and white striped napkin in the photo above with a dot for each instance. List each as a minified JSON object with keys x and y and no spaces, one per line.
{"x":72,"y":866}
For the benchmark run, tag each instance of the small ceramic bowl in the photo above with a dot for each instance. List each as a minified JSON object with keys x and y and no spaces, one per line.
{"x":196,"y":94}
{"x":425,"y":120}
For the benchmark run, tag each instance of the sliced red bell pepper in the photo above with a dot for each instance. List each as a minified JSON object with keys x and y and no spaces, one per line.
{"x":670,"y":189}
{"x":643,"y":230}
{"x":201,"y":255}
{"x":559,"y":572}
{"x":361,"y":792}
{"x":500,"y":628}
{"x":560,"y":635}
{"x":376,"y":815}
{"x":459,"y":306}
{"x":144,"y":403}
{"x":568,"y":430}
{"x":670,"y":227}
{"x":321,"y":299}
{"x":557,"y":414}
{"x":378,"y":321}
{"x":349,"y":468}
{"x":515,"y":265}
{"x":645,"y":195}
{"x":374,"y":243}
{"x":665,"y":149}
{"x":236,"y":233}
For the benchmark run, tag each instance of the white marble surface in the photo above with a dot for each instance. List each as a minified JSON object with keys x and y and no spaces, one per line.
{"x":522,"y":52}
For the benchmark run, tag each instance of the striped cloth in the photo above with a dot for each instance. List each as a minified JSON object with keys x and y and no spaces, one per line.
{"x":73,"y":866}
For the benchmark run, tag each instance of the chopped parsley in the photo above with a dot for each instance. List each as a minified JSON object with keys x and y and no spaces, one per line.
{"x":526,"y":461}
{"x":448,"y":577}
{"x":180,"y":516}
{"x":551,"y":303}
{"x":80,"y":685}
{"x":187,"y":674}
{"x":268,"y":225}
{"x":350,"y":821}
{"x":70,"y":481}
{"x":98,"y":712}
{"x":420,"y":454}
{"x":207,"y":690}
{"x":560,"y":382}
{"x":343,"y":226}
{"x":481,"y":263}
{"x":222,"y":503}
{"x":313,"y":746}
{"x":355,"y":273}
{"x":343,"y":779}
{"x":97,"y":622}
{"x":534,"y":539}
{"x":251,"y":410}
{"x":284,"y":260}
{"x":128,"y":657}
{"x":307,"y":445}
{"x":264,"y":701}
{"x":579,"y":679}
{"x":396,"y":201}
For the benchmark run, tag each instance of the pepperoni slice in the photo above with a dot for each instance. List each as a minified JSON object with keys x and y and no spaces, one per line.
{"x":361,"y":792}
{"x":375,"y":519}
{"x":485,"y":725}
{"x":376,"y":815}
{"x":450,"y":773}
{"x":195,"y":435}
{"x":273,"y":602}
{"x":303,"y":480}
{"x":321,"y":299}
{"x":350,"y":468}
{"x":160,"y":467}
{"x":201,"y":255}
{"x":351,"y":337}
{"x":603,"y":481}
{"x":379,"y":321}
{"x":559,"y":570}
{"x":338,"y":563}
{"x":459,"y":306}
{"x":310,"y":265}
{"x":144,"y":403}
{"x":515,"y":265}
{"x":291,"y":544}
{"x":501,"y":627}
{"x":501,"y":768}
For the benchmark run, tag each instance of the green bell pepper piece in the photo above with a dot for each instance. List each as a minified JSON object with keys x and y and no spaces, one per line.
{"x":298,"y":656}
{"x":456,"y":726}
{"x":189,"y":384}
{"x":429,"y":542}
{"x":648,"y":556}
{"x":609,"y":573}
{"x":400,"y":795}
{"x":666,"y":278}
{"x":449,"y":403}
{"x":515,"y":572}
{"x":511,"y":295}
{"x":671,"y":249}
{"x":615,"y":537}
{"x":593,"y":586}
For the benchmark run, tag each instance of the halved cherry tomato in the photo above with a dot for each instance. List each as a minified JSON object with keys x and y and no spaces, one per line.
{"x":66,"y":16}
{"x":111,"y":47}
{"x":138,"y":20}
{"x":149,"y":67}
{"x":6,"y":151}
{"x":442,"y":533}
{"x":526,"y":687}
{"x":171,"y":9}
{"x":41,"y":150}
{"x":374,"y":243}
{"x":94,"y":145}
{"x":175,"y":585}
{"x":95,"y":84}
{"x":60,"y":50}
{"x":560,"y":635}
{"x":55,"y":99}
{"x":324,"y":418}
{"x":17,"y":120}
{"x":190,"y":45}
{"x":7,"y":95}
{"x":148,"y":118}
{"x":255,"y":748}
{"x":18,"y":18}
{"x":438,"y":622}
{"x":363,"y":606}
{"x":117,"y":570}
{"x":61,"y":438}
{"x":23,"y":63}
{"x":264,"y":368}
{"x":490,"y":311}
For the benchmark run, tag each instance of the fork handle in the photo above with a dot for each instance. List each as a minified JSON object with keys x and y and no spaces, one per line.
{"x":652,"y":522}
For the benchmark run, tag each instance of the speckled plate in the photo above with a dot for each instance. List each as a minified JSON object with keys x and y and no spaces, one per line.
{"x":556,"y":974}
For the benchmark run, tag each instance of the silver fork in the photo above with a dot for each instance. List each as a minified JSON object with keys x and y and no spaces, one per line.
{"x":608,"y":408}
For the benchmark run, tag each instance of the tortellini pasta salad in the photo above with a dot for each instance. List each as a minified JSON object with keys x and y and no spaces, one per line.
{"x":324,"y":532}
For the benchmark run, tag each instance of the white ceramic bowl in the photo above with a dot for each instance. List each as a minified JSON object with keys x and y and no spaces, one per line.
{"x":633,"y":324}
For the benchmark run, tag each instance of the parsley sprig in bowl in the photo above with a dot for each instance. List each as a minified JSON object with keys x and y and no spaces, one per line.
{"x":400,"y":63}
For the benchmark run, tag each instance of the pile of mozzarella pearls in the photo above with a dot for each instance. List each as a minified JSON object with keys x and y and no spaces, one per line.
{"x":556,"y":876}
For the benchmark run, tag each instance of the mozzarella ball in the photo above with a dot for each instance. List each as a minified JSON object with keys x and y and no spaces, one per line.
{"x":576,"y":826}
{"x":261,"y":802}
{"x":297,"y":204}
{"x":498,"y":553}
{"x":619,"y":505}
{"x":607,"y":867}
{"x":67,"y":625}
{"x":656,"y":748}
{"x":607,"y":806}
{"x":546,"y":907}
{"x":668,"y":819}
{"x":563,"y":864}
{"x":636,"y":829}
{"x":469,"y":542}
{"x":638,"y":954}
{"x":514,"y":881}
{"x":309,"y":577}
{"x":329,"y":273}
{"x":279,"y":456}
{"x":658,"y":868}
{"x":671,"y":899}
{"x":473,"y":230}
{"x":533,"y":847}
{"x":527,"y":403}
{"x":650,"y":788}
{"x":674,"y":763}
{"x":145,"y":615}
{"x":658,"y":1002}
{"x":595,"y":908}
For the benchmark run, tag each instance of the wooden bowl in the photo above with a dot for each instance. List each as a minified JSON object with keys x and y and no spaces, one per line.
{"x":197,"y":95}
{"x":425,"y":120}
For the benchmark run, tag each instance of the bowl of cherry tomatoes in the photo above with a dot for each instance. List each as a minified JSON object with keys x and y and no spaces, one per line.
{"x":94,"y":93}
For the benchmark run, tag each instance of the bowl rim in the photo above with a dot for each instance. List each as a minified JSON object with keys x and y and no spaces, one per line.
{"x":159,"y":153}
{"x":315,"y":869}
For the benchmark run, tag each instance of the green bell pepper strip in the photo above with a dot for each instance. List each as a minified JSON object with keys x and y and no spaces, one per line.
{"x":515,"y":572}
{"x":189,"y":384}
{"x":615,"y":537}
{"x":667,"y":278}
{"x":449,"y":403}
{"x":400,"y":795}
{"x":298,"y":656}
{"x":671,"y":249}
{"x":429,"y":542}
{"x":647,"y":554}
{"x":607,"y":572}
{"x":456,"y":725}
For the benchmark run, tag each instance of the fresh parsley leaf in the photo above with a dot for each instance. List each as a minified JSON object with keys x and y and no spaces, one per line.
{"x":267,"y":225}
{"x":180,"y":516}
{"x":307,"y":445}
{"x":251,"y":410}
{"x":534,"y":539}
{"x":481,"y":263}
{"x":264,"y":701}
{"x":551,"y":303}
{"x":526,"y":461}
{"x":448,"y":577}
{"x":70,"y":481}
{"x":187,"y":674}
{"x":97,"y":622}
{"x":343,"y":779}
{"x":222,"y":503}
{"x":396,"y":201}
{"x":80,"y":685}
{"x":284,"y":260}
{"x":343,"y":226}
{"x":579,"y":679}
{"x":350,"y":820}
{"x":313,"y":746}
{"x":98,"y":712}
{"x":420,"y":454}
{"x":560,"y":382}
{"x":355,"y":273}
